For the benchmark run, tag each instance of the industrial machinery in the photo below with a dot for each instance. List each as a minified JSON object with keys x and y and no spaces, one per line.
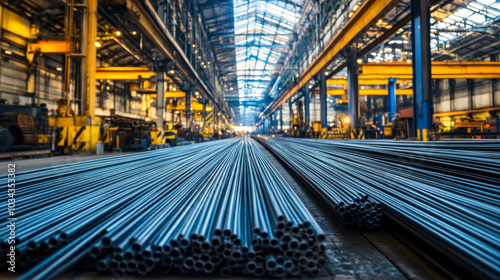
{"x":126,"y":133}
{"x":298,"y":123}
{"x":23,"y":127}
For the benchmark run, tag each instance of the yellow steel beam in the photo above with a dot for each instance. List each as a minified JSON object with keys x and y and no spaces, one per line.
{"x":362,"y":81}
{"x":175,"y":94}
{"x":366,"y":15}
{"x":194,"y":107}
{"x":50,"y":46}
{"x":369,"y":91}
{"x":123,"y":73}
{"x":91,"y":58}
{"x":440,"y":70}
{"x":457,"y":113}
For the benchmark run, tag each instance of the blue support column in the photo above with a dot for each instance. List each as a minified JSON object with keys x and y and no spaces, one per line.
{"x":422,"y":86}
{"x":307,"y":115}
{"x":392,"y":99}
{"x":281,"y":117}
{"x":271,"y":125}
{"x":352,"y":88}
{"x":322,"y":100}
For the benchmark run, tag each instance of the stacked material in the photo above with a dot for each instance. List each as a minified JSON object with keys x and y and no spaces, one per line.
{"x":212,"y":207}
{"x":330,"y":181}
{"x":447,"y":193}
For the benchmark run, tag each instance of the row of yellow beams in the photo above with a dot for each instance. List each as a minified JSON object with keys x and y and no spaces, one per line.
{"x":370,"y":91}
{"x":440,"y":70}
{"x":343,"y":81}
{"x":369,"y":12}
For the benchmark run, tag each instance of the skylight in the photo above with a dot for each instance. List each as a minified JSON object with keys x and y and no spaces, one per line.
{"x":267,"y":26}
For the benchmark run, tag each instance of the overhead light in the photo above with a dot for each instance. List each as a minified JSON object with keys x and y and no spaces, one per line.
{"x":118,"y":33}
{"x":8,"y":52}
{"x":194,"y":46}
{"x":172,"y":71}
{"x":197,"y":93}
{"x":199,"y":57}
{"x":204,"y":66}
{"x":134,"y":32}
{"x":97,"y":44}
{"x":362,"y":87}
{"x":326,"y":73}
{"x":195,"y":51}
{"x":380,"y":21}
{"x":360,"y":61}
{"x":231,"y":88}
{"x":408,"y":61}
{"x":59,"y":69}
{"x":202,"y":63}
{"x":208,"y":63}
{"x":174,"y":89}
{"x":310,"y":86}
{"x":346,"y":120}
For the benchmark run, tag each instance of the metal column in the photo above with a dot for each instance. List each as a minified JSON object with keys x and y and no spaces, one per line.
{"x":187,"y":109}
{"x":281,"y":117}
{"x":160,"y":99}
{"x":91,"y":58}
{"x":322,"y":99}
{"x":290,"y":113}
{"x":352,"y":88}
{"x":271,"y":126}
{"x":307,"y":115}
{"x":452,"y":83}
{"x":204,"y":115}
{"x":494,"y":84}
{"x":422,"y":98}
{"x":392,"y":99}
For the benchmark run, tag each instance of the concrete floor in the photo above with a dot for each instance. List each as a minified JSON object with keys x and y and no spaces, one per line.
{"x":352,"y":254}
{"x":26,"y":164}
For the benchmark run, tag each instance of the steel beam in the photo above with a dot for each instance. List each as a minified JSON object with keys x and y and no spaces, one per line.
{"x":365,"y":17}
{"x":440,"y":70}
{"x":281,"y":118}
{"x":323,"y":109}
{"x":363,"y":81}
{"x":160,"y":99}
{"x":392,"y":99}
{"x":422,"y":87}
{"x":91,"y":55}
{"x":369,"y":91}
{"x":352,"y":88}
{"x":307,"y":115}
{"x":49,"y":46}
{"x":123,"y":73}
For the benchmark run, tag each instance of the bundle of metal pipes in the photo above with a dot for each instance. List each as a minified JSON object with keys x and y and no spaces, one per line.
{"x":213,"y":207}
{"x":447,"y":193}
{"x":330,"y":183}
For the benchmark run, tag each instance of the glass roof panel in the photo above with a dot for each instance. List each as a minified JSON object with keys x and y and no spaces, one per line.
{"x":271,"y":22}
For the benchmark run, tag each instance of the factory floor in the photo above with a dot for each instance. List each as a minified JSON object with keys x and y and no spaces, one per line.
{"x":26,"y":164}
{"x":352,"y":254}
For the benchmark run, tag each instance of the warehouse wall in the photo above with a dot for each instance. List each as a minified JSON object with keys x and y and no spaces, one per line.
{"x":481,"y":98}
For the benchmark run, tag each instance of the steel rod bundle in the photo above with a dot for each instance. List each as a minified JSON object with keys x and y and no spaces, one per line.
{"x":331,"y":184}
{"x":447,"y":193}
{"x":216,"y":207}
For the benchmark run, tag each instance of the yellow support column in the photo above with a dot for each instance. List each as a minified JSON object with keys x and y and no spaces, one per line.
{"x":91,"y":58}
